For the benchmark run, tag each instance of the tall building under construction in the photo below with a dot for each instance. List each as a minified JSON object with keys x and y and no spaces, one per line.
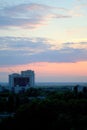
{"x":23,"y":81}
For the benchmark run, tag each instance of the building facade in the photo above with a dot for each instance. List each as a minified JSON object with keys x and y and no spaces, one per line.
{"x":21,"y":82}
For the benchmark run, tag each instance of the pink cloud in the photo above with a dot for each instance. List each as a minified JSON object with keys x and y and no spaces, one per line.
{"x":51,"y":70}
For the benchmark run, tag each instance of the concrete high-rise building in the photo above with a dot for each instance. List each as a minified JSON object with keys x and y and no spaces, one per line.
{"x":23,"y":81}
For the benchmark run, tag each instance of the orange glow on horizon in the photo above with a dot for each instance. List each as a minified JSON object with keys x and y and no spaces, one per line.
{"x":47,"y":68}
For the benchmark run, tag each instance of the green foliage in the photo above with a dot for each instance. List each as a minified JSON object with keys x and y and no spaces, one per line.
{"x":59,"y":111}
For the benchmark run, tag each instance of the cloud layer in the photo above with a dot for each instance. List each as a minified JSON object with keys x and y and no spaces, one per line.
{"x":17,"y":50}
{"x":29,"y":15}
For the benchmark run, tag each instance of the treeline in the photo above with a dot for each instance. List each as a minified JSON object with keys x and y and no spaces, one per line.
{"x":57,"y":111}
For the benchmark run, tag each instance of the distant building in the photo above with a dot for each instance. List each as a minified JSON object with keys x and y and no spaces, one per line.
{"x":21,"y":82}
{"x":80,"y":88}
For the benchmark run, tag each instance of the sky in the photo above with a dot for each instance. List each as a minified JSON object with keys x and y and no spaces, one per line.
{"x":49,"y":37}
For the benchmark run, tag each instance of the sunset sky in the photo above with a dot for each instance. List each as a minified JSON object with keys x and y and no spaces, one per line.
{"x":47,"y":36}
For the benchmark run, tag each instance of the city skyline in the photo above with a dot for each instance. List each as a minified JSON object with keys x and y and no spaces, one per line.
{"x":48,"y":37}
